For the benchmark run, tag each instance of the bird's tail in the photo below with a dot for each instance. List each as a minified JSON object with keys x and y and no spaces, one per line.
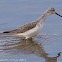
{"x":6,"y":32}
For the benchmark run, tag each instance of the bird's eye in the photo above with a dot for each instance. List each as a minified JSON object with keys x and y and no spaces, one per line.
{"x":51,"y":10}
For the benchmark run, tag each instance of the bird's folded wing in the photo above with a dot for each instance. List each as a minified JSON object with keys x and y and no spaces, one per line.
{"x":23,"y":28}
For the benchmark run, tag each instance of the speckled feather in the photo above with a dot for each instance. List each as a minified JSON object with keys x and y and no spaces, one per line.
{"x":23,"y":28}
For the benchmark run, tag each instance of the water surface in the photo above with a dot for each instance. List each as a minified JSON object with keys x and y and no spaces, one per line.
{"x":46,"y":47}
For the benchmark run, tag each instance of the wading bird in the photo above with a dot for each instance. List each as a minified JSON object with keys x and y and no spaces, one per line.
{"x":33,"y":28}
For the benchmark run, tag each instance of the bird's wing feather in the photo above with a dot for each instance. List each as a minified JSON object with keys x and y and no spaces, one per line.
{"x":23,"y":28}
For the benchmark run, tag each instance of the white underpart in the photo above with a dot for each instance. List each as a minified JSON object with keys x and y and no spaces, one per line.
{"x":32,"y":32}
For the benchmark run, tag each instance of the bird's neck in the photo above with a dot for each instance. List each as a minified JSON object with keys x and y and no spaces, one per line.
{"x":42,"y":18}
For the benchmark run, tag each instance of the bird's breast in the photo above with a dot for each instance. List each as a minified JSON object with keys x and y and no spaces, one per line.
{"x":32,"y":32}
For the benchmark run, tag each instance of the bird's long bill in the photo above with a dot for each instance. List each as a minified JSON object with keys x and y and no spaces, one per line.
{"x":58,"y":14}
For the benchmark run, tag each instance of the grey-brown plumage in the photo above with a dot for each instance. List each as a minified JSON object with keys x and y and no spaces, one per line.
{"x":33,"y":28}
{"x":23,"y":28}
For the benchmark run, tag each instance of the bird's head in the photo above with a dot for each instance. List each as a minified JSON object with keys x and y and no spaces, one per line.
{"x":52,"y":11}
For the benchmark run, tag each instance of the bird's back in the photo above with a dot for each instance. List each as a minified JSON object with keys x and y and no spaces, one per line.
{"x":23,"y":28}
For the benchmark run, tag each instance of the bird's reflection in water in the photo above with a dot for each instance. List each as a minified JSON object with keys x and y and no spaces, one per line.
{"x":29,"y":46}
{"x":26,"y":47}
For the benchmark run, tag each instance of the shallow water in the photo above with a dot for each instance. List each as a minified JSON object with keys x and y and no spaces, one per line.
{"x":46,"y":47}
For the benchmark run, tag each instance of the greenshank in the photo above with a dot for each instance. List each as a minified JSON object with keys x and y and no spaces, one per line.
{"x":32,"y":29}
